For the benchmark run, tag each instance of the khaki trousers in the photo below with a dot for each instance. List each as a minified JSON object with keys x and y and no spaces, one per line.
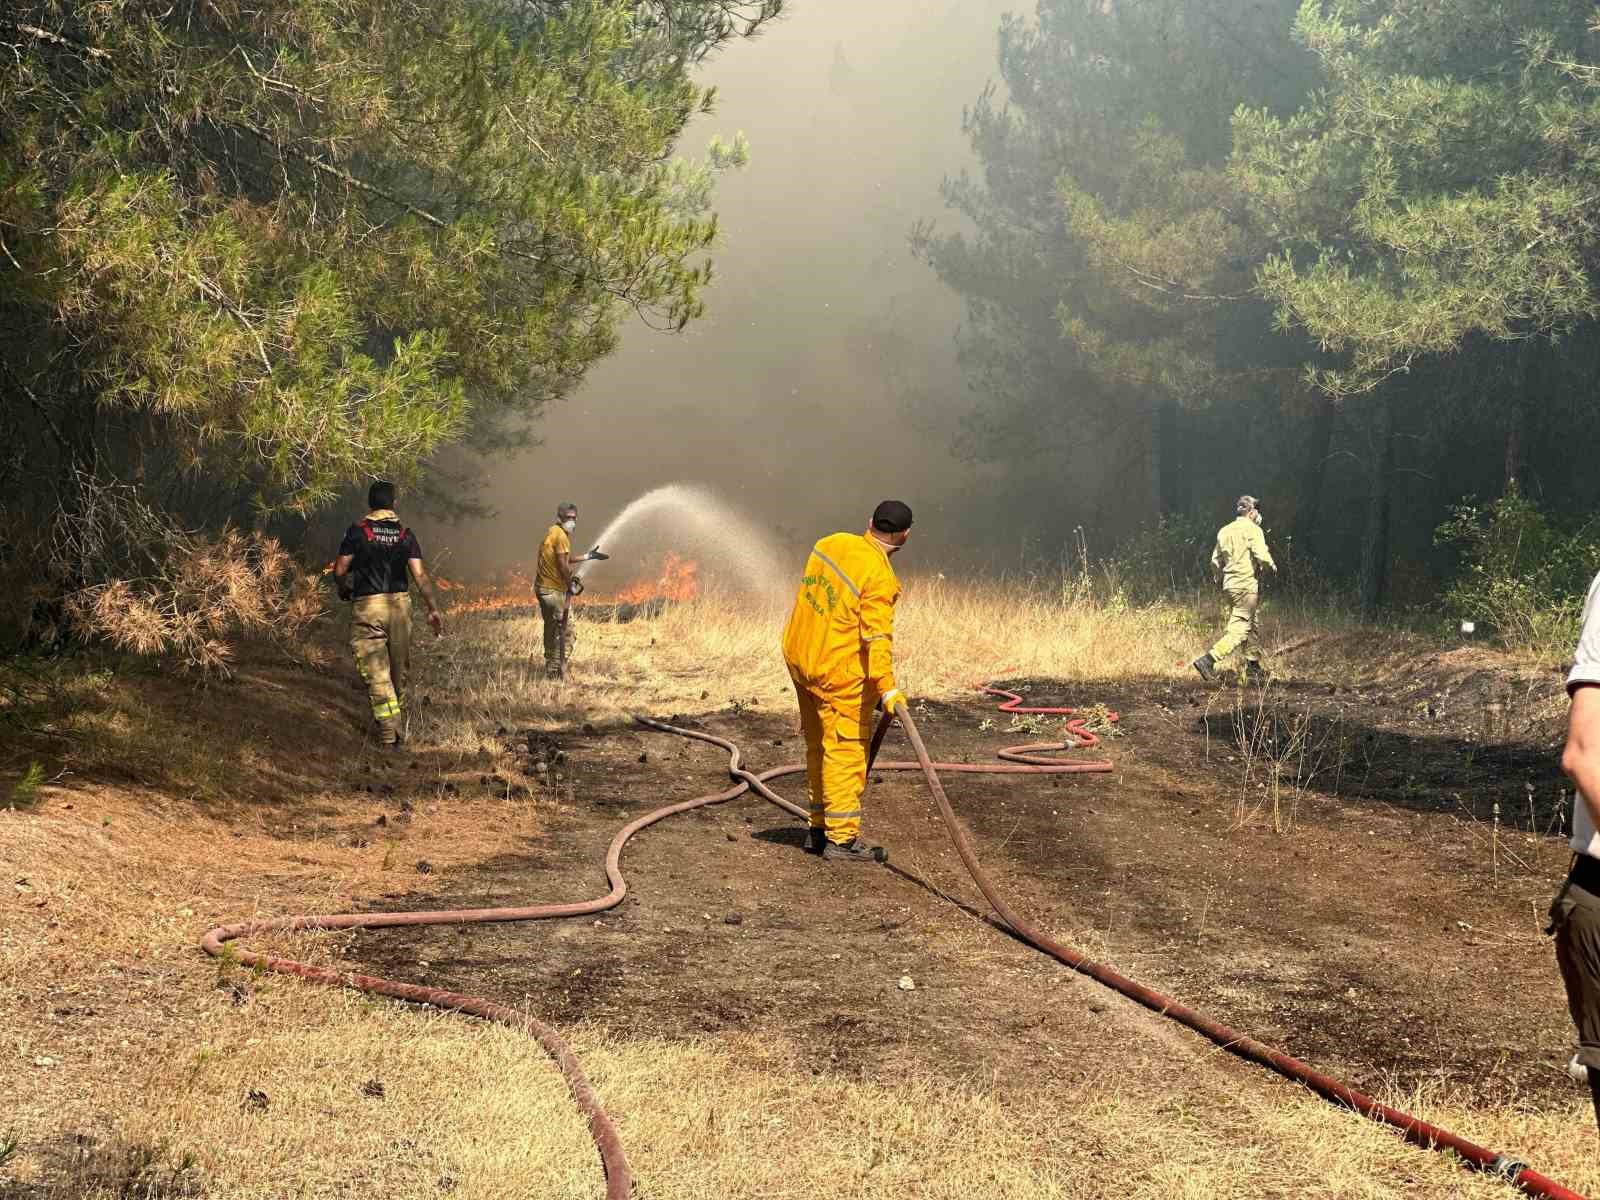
{"x":380,"y":639}
{"x":1241,"y":628}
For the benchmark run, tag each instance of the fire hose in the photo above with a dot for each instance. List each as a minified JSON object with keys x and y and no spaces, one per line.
{"x":1019,"y":760}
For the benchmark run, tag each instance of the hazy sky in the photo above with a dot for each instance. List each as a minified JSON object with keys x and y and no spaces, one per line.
{"x":822,"y":378}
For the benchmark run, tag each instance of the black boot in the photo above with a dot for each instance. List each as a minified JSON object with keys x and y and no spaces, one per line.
{"x":816,"y":839}
{"x":854,"y":851}
{"x":1254,"y":672}
{"x":1206,"y":665}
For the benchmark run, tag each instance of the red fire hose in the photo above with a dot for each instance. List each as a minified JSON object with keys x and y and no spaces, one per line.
{"x":1021,"y":760}
{"x":1414,"y":1129}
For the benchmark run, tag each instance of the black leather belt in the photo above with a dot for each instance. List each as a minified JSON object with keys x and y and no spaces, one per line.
{"x":1585,"y":873}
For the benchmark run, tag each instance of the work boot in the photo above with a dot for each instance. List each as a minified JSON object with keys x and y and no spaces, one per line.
{"x":854,"y":851}
{"x":1254,"y":672}
{"x":1206,"y":665}
{"x":816,"y":839}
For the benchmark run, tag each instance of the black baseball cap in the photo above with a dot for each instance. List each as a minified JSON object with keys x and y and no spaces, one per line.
{"x":892,"y":516}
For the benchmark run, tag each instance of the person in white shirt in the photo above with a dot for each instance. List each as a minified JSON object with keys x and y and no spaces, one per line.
{"x":1575,"y":912}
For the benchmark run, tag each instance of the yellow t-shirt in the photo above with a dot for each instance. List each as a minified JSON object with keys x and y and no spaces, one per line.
{"x":556,"y":544}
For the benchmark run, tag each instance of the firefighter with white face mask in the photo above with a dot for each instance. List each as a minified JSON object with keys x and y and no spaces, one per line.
{"x":1240,"y":555}
{"x":554,"y":584}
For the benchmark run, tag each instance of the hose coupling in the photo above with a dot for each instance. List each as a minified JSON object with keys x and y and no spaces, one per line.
{"x":1507,"y":1168}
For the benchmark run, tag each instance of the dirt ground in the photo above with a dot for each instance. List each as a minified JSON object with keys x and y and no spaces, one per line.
{"x":1380,"y":923}
{"x":1318,"y":864}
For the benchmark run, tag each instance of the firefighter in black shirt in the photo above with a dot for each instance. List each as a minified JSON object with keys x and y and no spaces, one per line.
{"x":377,"y":561}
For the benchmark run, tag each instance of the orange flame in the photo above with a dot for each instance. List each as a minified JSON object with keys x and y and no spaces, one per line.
{"x":679,"y":580}
{"x":513,"y":589}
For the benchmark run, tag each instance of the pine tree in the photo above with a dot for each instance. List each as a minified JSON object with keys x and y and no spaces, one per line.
{"x":280,"y":248}
{"x":1109,"y":253}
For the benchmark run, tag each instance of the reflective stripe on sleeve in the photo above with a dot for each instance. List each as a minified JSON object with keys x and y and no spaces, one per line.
{"x":848,"y":582}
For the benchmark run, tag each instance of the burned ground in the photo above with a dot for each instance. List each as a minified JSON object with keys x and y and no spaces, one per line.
{"x":1376,"y":922}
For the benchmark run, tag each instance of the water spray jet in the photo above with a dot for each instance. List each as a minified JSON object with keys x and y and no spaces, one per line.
{"x":705,"y":524}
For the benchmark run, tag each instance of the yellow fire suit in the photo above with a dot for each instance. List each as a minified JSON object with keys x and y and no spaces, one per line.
{"x":1241,"y":552}
{"x":839,"y":648}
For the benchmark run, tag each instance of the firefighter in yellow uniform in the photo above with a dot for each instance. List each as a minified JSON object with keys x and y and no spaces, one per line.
{"x":839,"y":648}
{"x":1240,"y":555}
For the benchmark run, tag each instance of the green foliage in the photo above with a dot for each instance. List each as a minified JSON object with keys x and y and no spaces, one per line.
{"x":300,"y":244}
{"x":1107,"y":251}
{"x":1522,"y":574}
{"x":1316,"y":249}
{"x":1172,"y":555}
{"x":1439,"y":189}
{"x":25,"y":791}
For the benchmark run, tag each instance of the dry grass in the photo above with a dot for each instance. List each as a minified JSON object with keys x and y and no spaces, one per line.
{"x":720,"y":649}
{"x":278,"y":1098}
{"x":127,"y":1071}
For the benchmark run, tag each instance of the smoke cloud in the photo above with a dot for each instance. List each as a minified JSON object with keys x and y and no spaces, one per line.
{"x":823,"y":377}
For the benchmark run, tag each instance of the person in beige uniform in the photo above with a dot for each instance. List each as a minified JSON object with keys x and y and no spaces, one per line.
{"x":1240,"y":555}
{"x":1575,"y":912}
{"x":378,"y":561}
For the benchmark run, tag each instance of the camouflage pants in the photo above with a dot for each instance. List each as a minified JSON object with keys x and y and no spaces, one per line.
{"x":552,"y":605}
{"x":380,"y":639}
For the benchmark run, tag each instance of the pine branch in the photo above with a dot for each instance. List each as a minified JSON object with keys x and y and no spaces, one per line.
{"x":339,"y":173}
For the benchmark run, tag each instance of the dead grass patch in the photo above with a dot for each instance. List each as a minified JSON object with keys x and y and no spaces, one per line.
{"x":308,"y":1093}
{"x":126,"y":1070}
{"x":721,"y":650}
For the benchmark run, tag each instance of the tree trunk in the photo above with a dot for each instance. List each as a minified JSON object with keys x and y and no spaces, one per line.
{"x":80,"y":453}
{"x":1157,"y":459}
{"x":1519,"y":392}
{"x":1375,"y":543}
{"x":1514,"y":446}
{"x":1171,"y":475}
{"x":1308,"y":513}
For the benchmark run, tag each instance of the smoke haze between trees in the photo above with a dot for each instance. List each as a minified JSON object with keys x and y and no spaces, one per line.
{"x":823,"y":377}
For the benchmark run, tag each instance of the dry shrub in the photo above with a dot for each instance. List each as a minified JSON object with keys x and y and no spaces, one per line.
{"x":209,"y":591}
{"x":131,"y":577}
